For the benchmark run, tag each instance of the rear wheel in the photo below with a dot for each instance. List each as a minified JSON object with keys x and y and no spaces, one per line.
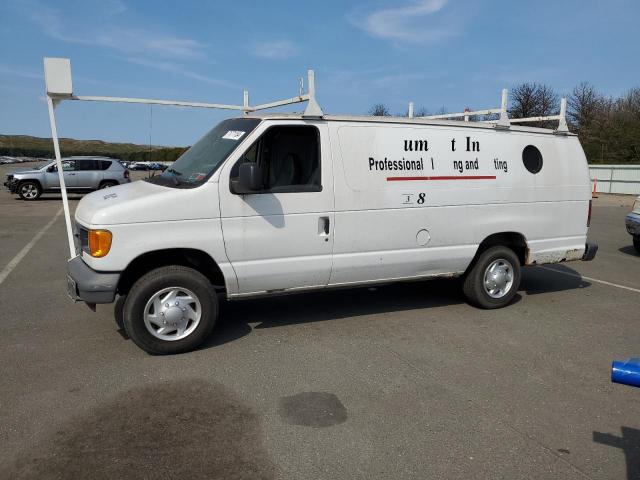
{"x":170,"y":310}
{"x":108,"y":184}
{"x":636,"y":243}
{"x":29,"y":190}
{"x":493,"y":280}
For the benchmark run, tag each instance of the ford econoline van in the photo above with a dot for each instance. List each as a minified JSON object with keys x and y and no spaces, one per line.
{"x":271,"y":204}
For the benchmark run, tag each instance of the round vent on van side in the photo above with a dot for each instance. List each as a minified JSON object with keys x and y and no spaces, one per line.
{"x":532,"y":159}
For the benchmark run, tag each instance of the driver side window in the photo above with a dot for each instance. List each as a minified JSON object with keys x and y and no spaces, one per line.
{"x":289,"y":157}
{"x":67,"y":166}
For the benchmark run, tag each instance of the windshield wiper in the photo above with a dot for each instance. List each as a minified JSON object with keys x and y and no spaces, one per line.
{"x":175,"y":172}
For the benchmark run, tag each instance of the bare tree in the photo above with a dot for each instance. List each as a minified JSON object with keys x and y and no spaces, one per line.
{"x":584,"y":103}
{"x":379,"y":110}
{"x":524,"y":101}
{"x":533,"y":100}
{"x":548,"y":101}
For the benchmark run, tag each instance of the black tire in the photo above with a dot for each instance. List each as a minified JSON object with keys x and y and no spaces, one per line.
{"x":108,"y":184}
{"x":29,"y":190}
{"x":155,"y":281}
{"x":118,"y":310}
{"x":636,"y":243}
{"x":474,"y":281}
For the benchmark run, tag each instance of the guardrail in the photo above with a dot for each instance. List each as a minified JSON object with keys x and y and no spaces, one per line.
{"x":616,"y":178}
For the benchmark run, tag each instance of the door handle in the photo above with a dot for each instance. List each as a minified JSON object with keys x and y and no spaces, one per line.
{"x":323,"y":226}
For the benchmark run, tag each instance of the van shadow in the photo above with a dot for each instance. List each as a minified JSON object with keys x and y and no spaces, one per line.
{"x":321,"y":306}
{"x":629,"y":443}
{"x":551,"y":278}
{"x":236,"y":317}
{"x":177,"y":429}
{"x":629,"y":250}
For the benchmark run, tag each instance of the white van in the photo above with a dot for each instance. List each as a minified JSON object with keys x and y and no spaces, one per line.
{"x":270,"y":204}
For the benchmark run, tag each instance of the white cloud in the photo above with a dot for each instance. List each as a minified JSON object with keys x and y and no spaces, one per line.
{"x":178,"y":69}
{"x":98,"y":28}
{"x":14,"y":72}
{"x":422,"y":21}
{"x":276,"y":50}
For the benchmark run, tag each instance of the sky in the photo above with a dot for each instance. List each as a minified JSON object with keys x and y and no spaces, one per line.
{"x":436,"y":53}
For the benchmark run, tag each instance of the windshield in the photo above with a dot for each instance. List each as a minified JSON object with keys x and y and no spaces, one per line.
{"x":197,"y":164}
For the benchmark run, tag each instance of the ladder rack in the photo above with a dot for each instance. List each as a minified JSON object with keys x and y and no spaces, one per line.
{"x":503,"y":121}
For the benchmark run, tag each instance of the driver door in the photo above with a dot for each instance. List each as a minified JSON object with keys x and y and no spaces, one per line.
{"x":51,"y":176}
{"x":281,"y":237}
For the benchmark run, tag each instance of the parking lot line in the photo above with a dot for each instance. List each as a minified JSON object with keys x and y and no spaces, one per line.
{"x":603,"y":282}
{"x":23,"y":253}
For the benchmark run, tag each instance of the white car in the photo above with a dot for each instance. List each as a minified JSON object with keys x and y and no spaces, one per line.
{"x":275,"y":204}
{"x":632,"y":222}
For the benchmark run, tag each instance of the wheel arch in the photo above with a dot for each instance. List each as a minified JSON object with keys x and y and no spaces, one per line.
{"x":34,"y":180}
{"x":516,"y":241}
{"x":188,"y":257}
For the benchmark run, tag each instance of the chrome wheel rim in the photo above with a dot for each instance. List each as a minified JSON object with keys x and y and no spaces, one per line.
{"x":498,"y":278}
{"x":172,"y":314}
{"x":106,"y":185}
{"x":29,"y":190}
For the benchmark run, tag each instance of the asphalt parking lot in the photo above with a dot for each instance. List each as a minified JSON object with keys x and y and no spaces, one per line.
{"x":400,"y":381}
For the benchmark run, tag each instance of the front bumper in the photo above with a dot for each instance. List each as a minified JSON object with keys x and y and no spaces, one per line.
{"x":84,"y":283}
{"x":12,"y":185}
{"x":632,"y":222}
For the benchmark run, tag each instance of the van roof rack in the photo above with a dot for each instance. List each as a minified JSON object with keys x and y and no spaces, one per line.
{"x":503,"y":122}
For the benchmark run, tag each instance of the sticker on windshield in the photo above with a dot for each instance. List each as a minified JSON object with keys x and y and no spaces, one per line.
{"x":233,"y":135}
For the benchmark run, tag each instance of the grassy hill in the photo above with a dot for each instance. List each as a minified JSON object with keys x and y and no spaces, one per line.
{"x":27,"y":146}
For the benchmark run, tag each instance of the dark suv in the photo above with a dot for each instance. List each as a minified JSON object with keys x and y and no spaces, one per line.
{"x":81,"y":174}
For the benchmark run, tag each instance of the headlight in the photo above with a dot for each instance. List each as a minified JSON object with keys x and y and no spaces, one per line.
{"x":99,"y":243}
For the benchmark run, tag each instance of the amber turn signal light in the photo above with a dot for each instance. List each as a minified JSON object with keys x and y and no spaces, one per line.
{"x":99,"y":242}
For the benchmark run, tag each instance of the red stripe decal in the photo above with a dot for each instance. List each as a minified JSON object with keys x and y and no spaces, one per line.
{"x":457,"y":177}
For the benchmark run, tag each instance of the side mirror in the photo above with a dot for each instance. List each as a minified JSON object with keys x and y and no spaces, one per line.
{"x":52,"y":168}
{"x":250,"y":178}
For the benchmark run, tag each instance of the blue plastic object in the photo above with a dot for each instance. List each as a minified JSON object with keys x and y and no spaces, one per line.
{"x":626,"y":373}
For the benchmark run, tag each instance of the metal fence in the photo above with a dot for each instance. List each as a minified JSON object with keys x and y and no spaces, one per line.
{"x":616,"y":178}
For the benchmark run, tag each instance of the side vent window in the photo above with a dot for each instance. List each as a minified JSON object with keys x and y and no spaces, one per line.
{"x":532,"y":159}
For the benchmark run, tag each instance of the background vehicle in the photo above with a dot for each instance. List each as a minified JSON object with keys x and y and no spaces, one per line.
{"x":632,"y":223}
{"x":139,"y":166}
{"x":81,"y":174}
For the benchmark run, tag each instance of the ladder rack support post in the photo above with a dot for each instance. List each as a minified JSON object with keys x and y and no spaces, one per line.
{"x":63,"y":187}
{"x":245,"y":102}
{"x":562,"y":121}
{"x":410,"y":109}
{"x":503,"y":121}
{"x":313,"y":109}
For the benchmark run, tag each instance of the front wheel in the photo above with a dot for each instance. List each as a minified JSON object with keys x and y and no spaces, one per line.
{"x":636,"y":243}
{"x":29,"y":190}
{"x":494,"y":279}
{"x":170,"y":310}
